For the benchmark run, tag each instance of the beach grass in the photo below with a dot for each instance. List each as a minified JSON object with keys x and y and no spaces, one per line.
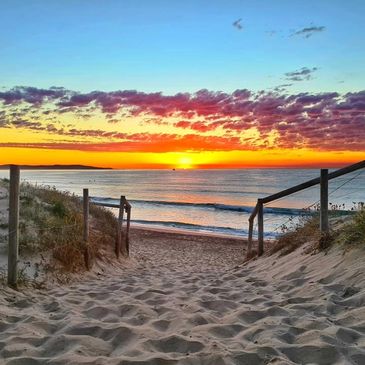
{"x":307,"y":228}
{"x":353,"y":231}
{"x":51,"y":222}
{"x":346,"y":229}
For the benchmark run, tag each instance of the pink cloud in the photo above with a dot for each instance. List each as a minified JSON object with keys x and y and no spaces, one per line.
{"x":328,"y":121}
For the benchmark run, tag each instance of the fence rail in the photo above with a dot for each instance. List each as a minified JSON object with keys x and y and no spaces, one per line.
{"x":121,"y":246}
{"x":322,"y":180}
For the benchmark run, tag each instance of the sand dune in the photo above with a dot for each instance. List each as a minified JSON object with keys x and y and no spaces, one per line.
{"x":183,"y":300}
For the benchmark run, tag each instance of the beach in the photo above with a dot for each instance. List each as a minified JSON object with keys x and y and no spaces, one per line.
{"x":189,"y":299}
{"x":182,"y":182}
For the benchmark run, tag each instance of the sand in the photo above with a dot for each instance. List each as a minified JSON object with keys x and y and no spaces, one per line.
{"x":185,"y":299}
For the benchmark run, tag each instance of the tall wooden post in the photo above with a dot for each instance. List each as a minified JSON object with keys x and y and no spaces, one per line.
{"x":13,"y":248}
{"x":86,"y":227}
{"x":249,"y":243}
{"x":324,"y":225}
{"x":119,"y":248}
{"x":128,"y":226}
{"x":260,"y":227}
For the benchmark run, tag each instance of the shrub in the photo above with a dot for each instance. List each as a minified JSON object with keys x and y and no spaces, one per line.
{"x":347,"y":228}
{"x":52,"y":221}
{"x":354,"y":231}
{"x":306,"y":229}
{"x":59,"y":209}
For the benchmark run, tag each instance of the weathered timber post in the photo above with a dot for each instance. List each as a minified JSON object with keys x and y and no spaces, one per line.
{"x":123,"y":236}
{"x":249,"y":242}
{"x":324,"y":225}
{"x":128,"y":226}
{"x":260,"y":227}
{"x":86,"y":227}
{"x":13,"y":248}
{"x":119,"y":248}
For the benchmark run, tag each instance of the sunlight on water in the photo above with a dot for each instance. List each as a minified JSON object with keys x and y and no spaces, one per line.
{"x":201,"y":200}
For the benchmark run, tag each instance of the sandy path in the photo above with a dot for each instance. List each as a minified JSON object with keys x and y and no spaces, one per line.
{"x":181,"y":301}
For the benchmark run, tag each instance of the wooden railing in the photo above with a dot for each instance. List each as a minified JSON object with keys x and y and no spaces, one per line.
{"x":322,"y":180}
{"x":121,"y":246}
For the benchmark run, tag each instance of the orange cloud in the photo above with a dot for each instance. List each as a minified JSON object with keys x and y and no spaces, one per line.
{"x":205,"y":121}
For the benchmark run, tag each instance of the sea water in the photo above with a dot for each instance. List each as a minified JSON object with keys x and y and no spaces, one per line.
{"x":218,"y":201}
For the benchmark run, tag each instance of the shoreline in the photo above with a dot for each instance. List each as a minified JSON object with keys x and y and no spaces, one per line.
{"x":185,"y":232}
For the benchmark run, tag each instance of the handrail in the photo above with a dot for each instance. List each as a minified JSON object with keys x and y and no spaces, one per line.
{"x":307,"y":184}
{"x":254,"y":212}
{"x":109,"y":205}
{"x":313,"y":182}
{"x":102,"y":204}
{"x":127,"y":205}
{"x":123,"y":205}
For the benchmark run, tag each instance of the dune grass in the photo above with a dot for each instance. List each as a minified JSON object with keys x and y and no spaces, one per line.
{"x":345,"y":230}
{"x":307,"y":228}
{"x":51,"y":222}
{"x":353,"y":232}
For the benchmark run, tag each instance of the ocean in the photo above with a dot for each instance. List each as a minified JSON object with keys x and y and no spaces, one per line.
{"x":217,"y":201}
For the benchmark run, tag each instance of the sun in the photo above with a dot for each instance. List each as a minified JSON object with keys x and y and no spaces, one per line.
{"x":185,"y":162}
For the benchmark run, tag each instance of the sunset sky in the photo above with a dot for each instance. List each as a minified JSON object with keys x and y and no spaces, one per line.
{"x":182,"y":84}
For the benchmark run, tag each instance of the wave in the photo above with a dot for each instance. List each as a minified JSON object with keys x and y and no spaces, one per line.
{"x":114,"y":203}
{"x":200,"y":228}
{"x":191,"y":226}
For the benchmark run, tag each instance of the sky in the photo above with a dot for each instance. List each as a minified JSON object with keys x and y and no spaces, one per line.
{"x":182,"y":84}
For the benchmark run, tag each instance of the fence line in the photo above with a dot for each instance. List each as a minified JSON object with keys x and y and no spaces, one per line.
{"x":121,"y":246}
{"x":322,"y":180}
{"x":13,"y":229}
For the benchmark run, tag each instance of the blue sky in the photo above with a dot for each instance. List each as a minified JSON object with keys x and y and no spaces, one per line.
{"x":174,"y":46}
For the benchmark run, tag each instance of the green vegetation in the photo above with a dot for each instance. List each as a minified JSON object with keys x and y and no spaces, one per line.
{"x":353,"y":232}
{"x":51,"y":222}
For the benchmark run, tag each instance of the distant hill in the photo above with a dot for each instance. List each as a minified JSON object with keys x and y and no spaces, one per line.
{"x":56,"y":167}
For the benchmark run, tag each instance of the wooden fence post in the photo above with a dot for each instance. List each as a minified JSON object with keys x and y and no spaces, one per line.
{"x":260,"y":227}
{"x":13,"y":248}
{"x":118,"y":248}
{"x":249,"y":243}
{"x":324,"y":224}
{"x":86,"y":227}
{"x":123,"y":238}
{"x":128,"y":226}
